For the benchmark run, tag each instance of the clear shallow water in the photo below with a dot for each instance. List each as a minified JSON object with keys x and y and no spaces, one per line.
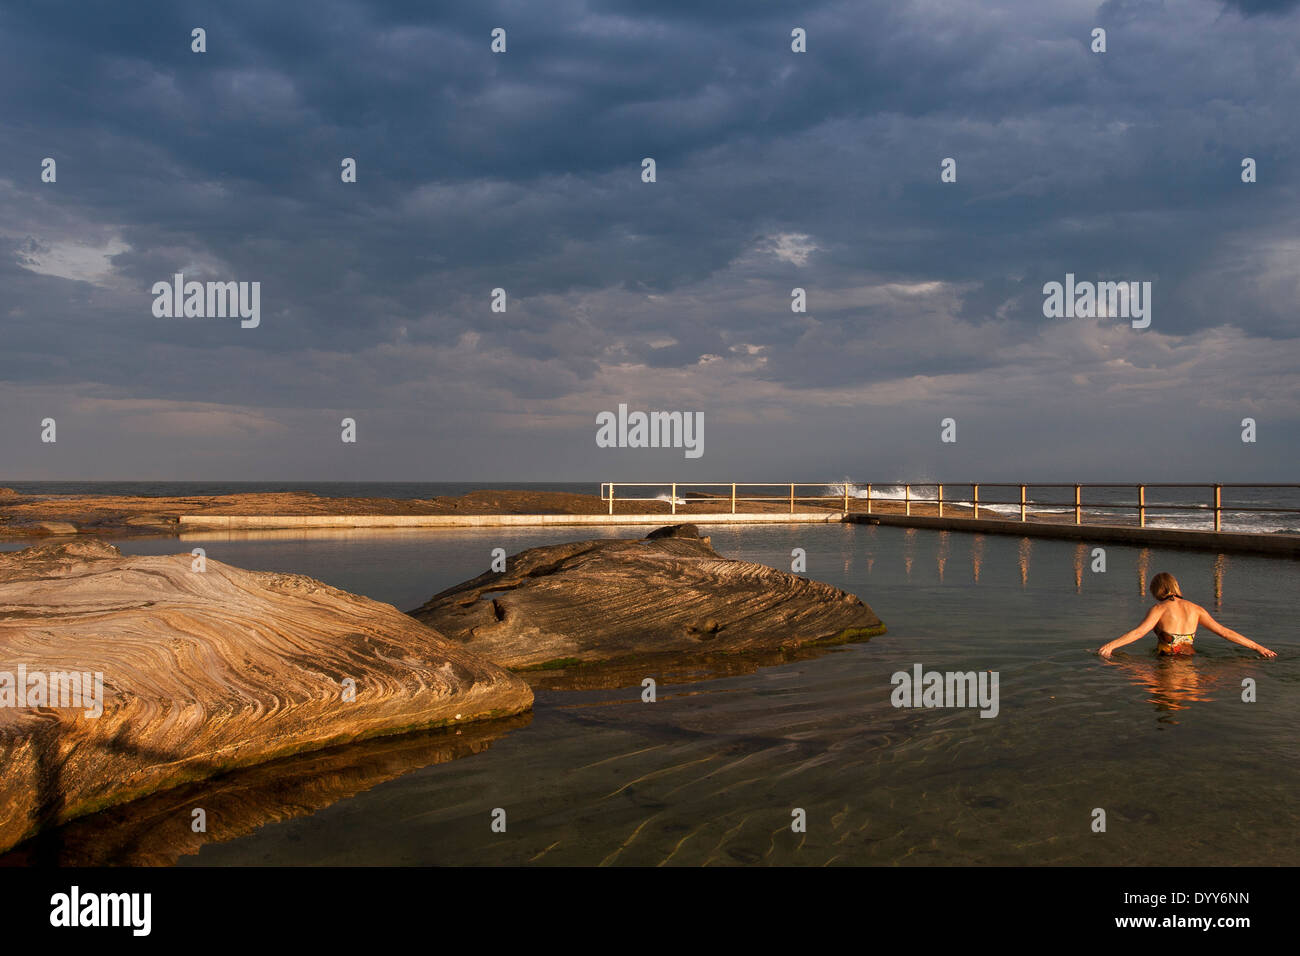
{"x":1187,"y":773}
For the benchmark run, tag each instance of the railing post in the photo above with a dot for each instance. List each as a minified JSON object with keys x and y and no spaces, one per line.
{"x":611,"y":497}
{"x":868,"y":498}
{"x":673,"y":496}
{"x":846,"y":496}
{"x":1218,"y":507}
{"x":733,"y":497}
{"x":907,"y":500}
{"x":1142,"y":506}
{"x":975,"y":493}
{"x":941,"y":501}
{"x":1078,"y":508}
{"x":792,"y":497}
{"x":1022,"y":502}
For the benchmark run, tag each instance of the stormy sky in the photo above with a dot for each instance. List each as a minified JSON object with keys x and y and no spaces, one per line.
{"x":775,"y":170}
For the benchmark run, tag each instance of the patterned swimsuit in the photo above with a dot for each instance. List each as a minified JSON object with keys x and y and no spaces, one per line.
{"x":1174,"y":643}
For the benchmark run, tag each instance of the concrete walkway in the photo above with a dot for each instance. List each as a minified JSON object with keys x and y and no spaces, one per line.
{"x":264,"y":522}
{"x":1225,"y":541}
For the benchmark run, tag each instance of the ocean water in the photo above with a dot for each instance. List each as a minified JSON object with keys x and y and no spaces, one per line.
{"x":326,"y":489}
{"x":1185,"y":770}
{"x":1247,"y":508}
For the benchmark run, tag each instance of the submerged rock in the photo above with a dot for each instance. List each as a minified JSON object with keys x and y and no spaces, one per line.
{"x":203,"y":672}
{"x":158,"y":829}
{"x":668,"y":593}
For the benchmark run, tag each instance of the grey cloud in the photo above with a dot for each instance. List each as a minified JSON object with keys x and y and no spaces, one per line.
{"x":522,"y":171}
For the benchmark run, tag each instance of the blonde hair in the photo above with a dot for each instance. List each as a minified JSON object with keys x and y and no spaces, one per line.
{"x":1165,"y":586}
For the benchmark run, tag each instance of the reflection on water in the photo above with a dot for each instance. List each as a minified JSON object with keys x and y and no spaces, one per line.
{"x":1026,"y":549}
{"x":1220,"y":563}
{"x":675,"y":668}
{"x":1143,"y":570}
{"x":160,"y":829}
{"x":1175,"y":682}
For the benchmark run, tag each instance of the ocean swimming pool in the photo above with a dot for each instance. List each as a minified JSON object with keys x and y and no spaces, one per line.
{"x":1186,"y":771}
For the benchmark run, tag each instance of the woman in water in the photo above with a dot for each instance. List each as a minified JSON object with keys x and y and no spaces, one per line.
{"x":1175,"y":620}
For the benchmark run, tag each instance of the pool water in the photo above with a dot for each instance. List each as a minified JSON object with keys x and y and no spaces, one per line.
{"x":714,"y":771}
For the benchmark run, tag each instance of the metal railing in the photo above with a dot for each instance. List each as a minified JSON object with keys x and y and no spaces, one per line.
{"x":607,"y":492}
{"x":851,"y":496}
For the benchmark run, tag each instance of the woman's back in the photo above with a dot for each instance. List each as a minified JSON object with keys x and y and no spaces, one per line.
{"x":1174,"y":620}
{"x":1180,"y":617}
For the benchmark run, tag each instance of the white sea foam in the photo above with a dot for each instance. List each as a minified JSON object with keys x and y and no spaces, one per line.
{"x":1194,"y":517}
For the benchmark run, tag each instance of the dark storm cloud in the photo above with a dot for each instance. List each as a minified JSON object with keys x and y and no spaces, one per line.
{"x":523,"y":171}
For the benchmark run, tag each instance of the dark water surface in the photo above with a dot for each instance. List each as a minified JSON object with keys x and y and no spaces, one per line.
{"x":1187,"y":773}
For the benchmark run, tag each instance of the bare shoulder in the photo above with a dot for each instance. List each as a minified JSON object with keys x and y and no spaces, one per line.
{"x":1206,"y":619}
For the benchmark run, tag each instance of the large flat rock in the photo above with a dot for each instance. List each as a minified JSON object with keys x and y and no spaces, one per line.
{"x":667,"y":594}
{"x":204,"y":672}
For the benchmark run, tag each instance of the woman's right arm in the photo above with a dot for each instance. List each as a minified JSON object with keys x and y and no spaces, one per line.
{"x":1228,"y":633}
{"x":1137,"y":633}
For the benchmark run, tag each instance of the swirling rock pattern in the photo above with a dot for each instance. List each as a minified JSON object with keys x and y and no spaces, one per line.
{"x":597,"y":601}
{"x":205,"y":672}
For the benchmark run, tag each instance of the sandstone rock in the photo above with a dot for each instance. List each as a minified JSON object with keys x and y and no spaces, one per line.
{"x":147,"y":520}
{"x":55,"y":527}
{"x":669,"y":593}
{"x":676,"y":531}
{"x":204,"y":672}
